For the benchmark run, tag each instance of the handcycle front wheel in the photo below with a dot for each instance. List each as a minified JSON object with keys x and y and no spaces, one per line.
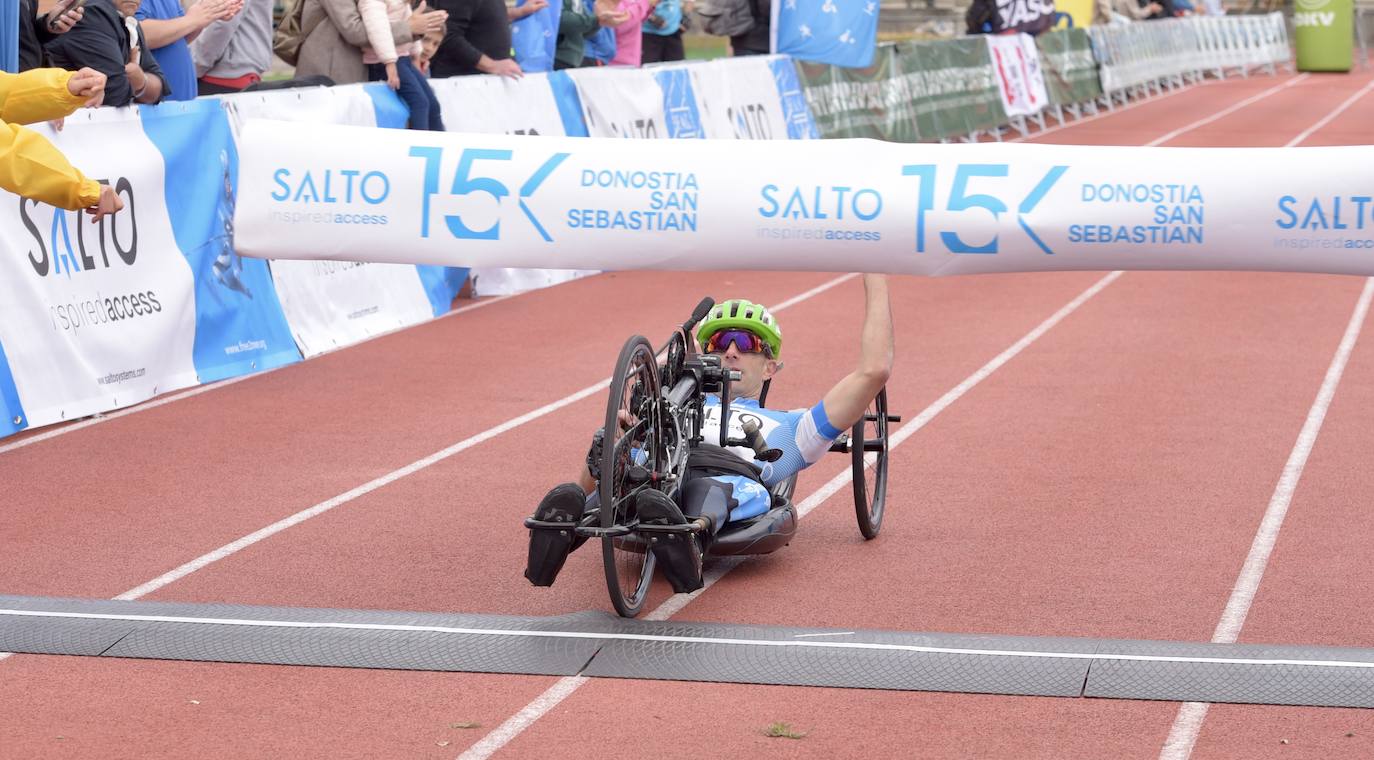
{"x":869,"y":437}
{"x":632,"y":452}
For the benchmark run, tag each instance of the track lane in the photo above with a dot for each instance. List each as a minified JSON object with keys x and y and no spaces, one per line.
{"x":363,"y":557}
{"x":162,"y":487}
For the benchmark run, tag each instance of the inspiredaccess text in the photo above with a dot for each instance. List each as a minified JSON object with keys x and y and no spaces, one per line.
{"x":327,"y":217}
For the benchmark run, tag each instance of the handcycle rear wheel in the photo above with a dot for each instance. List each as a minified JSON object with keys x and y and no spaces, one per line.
{"x":631,"y":454}
{"x":870,"y":478}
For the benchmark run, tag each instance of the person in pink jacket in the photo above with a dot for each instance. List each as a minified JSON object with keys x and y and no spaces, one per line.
{"x":629,"y":40}
{"x":395,"y":63}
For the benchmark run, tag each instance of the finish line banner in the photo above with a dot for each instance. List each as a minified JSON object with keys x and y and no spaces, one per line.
{"x":305,"y":192}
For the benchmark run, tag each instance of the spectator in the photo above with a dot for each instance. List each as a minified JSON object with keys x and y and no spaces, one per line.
{"x":629,"y":40}
{"x":335,"y":37}
{"x":110,"y":41}
{"x":575,"y":27}
{"x":169,"y":31}
{"x":393,"y":63}
{"x":231,"y":54}
{"x":663,"y":33}
{"x":756,"y":40}
{"x":36,"y":31}
{"x":477,"y":40}
{"x":600,"y":47}
{"x":1129,"y":10}
{"x":30,"y":166}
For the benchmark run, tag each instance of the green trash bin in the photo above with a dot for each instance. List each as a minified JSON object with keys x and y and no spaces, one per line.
{"x":1324,"y":34}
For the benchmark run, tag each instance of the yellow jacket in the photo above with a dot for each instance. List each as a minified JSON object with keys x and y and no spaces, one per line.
{"x":29,"y":165}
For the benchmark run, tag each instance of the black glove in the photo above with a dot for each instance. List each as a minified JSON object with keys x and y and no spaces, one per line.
{"x":594,"y":454}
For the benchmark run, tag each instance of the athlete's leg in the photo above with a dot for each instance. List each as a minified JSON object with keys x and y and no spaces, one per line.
{"x":680,"y":554}
{"x":549,"y":548}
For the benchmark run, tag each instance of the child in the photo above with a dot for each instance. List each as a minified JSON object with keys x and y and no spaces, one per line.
{"x":391,"y":62}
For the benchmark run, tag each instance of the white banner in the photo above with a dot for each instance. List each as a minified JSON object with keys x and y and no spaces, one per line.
{"x":330,"y":304}
{"x":96,"y":316}
{"x":638,"y":103}
{"x":337,"y":304}
{"x":499,"y":105}
{"x":827,"y":205}
{"x":739,"y":99}
{"x":1016,"y":67}
{"x":344,"y":104}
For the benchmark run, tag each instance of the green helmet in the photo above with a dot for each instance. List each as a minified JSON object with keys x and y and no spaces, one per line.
{"x":742,"y":314}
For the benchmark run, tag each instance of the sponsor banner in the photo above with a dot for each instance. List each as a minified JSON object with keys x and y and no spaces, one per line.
{"x":492,"y":281}
{"x":950,"y":85}
{"x":239,"y":325}
{"x":1016,"y":69}
{"x":343,"y":104}
{"x":339,"y":304}
{"x":837,"y":32}
{"x":860,"y":102}
{"x":831,"y":205}
{"x":796,"y":114}
{"x":751,"y":98}
{"x":332,"y":304}
{"x":1030,"y":16}
{"x":1066,"y":58}
{"x":96,"y":316}
{"x":638,"y":103}
{"x":926,"y":90}
{"x":530,"y":105}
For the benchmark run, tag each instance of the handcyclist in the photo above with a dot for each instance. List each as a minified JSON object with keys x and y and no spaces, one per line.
{"x":748,"y":339}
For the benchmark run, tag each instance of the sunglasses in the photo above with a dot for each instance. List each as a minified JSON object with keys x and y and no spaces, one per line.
{"x":745,"y":341}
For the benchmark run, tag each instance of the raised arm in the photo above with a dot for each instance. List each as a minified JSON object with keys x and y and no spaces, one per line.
{"x":847,"y":401}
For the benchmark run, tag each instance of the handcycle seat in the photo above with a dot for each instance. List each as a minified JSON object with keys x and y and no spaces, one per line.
{"x":763,"y":534}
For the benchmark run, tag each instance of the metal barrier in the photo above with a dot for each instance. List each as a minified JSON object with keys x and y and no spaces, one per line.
{"x":1137,"y":57}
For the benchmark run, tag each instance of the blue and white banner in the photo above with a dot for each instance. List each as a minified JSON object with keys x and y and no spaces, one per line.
{"x":97,"y":316}
{"x":240,"y":327}
{"x":534,"y":38}
{"x":338,"y":304}
{"x":751,"y":98}
{"x":536,"y":104}
{"x":639,"y":103}
{"x":837,"y":32}
{"x":828,"y":205}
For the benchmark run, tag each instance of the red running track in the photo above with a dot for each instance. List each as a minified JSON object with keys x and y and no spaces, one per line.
{"x":1106,"y":481}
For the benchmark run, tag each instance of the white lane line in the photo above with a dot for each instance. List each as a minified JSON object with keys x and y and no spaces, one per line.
{"x":148,"y":405}
{"x":678,"y":639}
{"x":1103,"y":113}
{"x":513,"y":727}
{"x":1227,"y":111}
{"x":1350,"y":101}
{"x":1188,"y":723}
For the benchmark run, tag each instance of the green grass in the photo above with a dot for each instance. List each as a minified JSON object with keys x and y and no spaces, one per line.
{"x":701,"y":47}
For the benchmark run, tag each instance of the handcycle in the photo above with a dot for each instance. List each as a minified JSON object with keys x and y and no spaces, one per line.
{"x":653,"y":436}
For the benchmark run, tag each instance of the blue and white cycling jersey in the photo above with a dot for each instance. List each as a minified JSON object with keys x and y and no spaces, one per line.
{"x":803,"y":435}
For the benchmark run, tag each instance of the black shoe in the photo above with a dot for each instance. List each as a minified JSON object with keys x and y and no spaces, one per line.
{"x":550,"y":546}
{"x":678,"y":553}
